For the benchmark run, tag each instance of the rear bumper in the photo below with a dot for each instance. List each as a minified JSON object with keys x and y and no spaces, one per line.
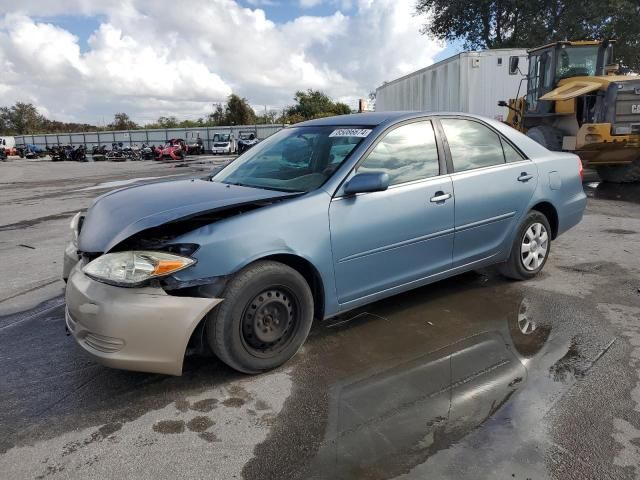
{"x":141,"y":329}
{"x":572,"y":212}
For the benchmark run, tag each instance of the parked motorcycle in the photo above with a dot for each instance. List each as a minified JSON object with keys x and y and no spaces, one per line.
{"x":32,"y":151}
{"x":67,"y":153}
{"x":99,"y":153}
{"x":147,"y":152}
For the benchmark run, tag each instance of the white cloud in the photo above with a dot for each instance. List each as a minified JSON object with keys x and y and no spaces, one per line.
{"x":309,"y":3}
{"x":148,"y":63}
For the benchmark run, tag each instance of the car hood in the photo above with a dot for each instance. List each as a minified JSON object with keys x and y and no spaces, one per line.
{"x":119,"y":214}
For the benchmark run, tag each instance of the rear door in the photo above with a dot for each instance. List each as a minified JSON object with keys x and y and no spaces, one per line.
{"x":493,"y":184}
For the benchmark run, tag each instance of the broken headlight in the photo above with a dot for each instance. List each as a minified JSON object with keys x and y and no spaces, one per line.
{"x":132,"y":268}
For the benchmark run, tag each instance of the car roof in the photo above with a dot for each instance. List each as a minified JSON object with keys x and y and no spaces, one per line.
{"x":368,"y":119}
{"x":530,"y":148}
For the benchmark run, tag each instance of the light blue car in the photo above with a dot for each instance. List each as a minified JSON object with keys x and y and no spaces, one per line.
{"x":318,"y":219}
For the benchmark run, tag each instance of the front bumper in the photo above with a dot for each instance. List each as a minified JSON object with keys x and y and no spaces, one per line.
{"x":226,"y":150}
{"x":141,"y":329}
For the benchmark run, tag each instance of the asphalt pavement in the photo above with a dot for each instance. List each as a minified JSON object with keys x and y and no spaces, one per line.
{"x":473,"y":377}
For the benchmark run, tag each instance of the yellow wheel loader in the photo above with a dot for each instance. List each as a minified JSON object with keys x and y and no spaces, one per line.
{"x":575,"y":102}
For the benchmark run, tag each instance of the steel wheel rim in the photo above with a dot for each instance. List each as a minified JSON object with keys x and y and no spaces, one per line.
{"x":526,"y":324}
{"x":534,"y":246}
{"x":270,"y":321}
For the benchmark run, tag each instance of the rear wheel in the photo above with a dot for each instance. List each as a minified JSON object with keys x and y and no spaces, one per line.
{"x":264,"y":319}
{"x":530,"y":248}
{"x":621,"y":173}
{"x":548,"y":137}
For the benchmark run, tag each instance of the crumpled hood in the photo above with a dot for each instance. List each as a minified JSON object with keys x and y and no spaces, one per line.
{"x":119,"y":214}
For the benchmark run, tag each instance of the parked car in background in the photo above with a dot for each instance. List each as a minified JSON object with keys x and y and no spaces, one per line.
{"x":318,"y":219}
{"x":246,"y":140}
{"x":223,"y":144}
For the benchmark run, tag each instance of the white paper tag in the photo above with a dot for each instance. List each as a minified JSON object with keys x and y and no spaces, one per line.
{"x":351,"y":132}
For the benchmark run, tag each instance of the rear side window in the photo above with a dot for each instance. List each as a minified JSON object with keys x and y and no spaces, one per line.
{"x":510,"y":153}
{"x":472,"y":145}
{"x":406,"y":154}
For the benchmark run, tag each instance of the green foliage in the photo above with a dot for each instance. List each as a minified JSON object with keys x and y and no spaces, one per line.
{"x":23,"y":118}
{"x":121,"y":121}
{"x":238,"y":111}
{"x":527,"y":24}
{"x":314,"y":104}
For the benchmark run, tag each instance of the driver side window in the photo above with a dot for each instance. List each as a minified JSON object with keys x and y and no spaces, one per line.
{"x":406,"y":154}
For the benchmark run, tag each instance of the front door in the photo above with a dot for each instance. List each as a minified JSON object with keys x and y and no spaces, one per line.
{"x":382,"y":240}
{"x":493,"y":185}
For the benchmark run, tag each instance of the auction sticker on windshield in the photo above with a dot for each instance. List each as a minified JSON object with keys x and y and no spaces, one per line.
{"x":351,"y":132}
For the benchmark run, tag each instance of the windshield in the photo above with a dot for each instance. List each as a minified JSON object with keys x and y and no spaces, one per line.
{"x":298,"y":159}
{"x":577,"y":61}
{"x":221,"y":137}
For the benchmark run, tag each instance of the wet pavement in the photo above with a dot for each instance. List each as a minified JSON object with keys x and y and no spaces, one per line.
{"x":473,"y":377}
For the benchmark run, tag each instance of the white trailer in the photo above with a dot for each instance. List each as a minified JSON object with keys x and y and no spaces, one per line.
{"x":469,"y":82}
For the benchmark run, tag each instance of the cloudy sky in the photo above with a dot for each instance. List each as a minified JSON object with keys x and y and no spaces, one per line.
{"x":84,"y":60}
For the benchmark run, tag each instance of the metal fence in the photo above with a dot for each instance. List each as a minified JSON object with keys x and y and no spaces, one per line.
{"x":151,"y":137}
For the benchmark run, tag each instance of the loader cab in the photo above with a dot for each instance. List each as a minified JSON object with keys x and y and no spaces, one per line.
{"x":551,"y":63}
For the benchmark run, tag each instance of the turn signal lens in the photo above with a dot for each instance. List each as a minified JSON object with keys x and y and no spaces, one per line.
{"x":135,"y":267}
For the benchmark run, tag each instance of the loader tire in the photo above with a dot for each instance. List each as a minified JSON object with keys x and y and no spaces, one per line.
{"x":621,"y":173}
{"x":549,"y":137}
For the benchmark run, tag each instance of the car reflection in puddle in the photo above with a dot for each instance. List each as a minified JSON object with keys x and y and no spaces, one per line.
{"x":386,"y":390}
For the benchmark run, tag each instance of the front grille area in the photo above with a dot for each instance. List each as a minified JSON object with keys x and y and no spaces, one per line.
{"x":627,"y":108}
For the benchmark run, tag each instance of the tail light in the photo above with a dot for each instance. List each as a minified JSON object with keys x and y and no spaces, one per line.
{"x":580,"y":169}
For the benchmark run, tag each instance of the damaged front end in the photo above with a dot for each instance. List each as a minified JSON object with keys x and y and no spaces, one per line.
{"x":124,"y":304}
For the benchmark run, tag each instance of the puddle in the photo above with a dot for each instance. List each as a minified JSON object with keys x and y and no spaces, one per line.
{"x":383,"y":393}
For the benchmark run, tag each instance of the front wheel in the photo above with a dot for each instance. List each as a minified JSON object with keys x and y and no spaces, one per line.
{"x":530,"y":248}
{"x":264,"y":319}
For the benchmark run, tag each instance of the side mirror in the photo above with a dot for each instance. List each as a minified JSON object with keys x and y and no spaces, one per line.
{"x":367,"y":182}
{"x":513,"y":64}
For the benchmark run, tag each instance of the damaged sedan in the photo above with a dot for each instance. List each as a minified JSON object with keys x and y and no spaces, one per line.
{"x":318,"y":219}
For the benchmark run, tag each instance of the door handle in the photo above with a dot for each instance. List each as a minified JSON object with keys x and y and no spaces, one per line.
{"x":440,"y":197}
{"x":524,"y":177}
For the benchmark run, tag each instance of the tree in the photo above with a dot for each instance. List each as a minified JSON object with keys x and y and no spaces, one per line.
{"x":23,"y":118}
{"x":314,"y":104}
{"x":121,"y":121}
{"x":238,"y":111}
{"x":526,"y":24}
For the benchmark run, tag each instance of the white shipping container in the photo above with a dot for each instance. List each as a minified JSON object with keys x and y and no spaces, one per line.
{"x":469,"y":82}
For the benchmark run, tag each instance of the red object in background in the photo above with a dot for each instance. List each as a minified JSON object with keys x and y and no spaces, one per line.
{"x":176,"y":149}
{"x":580,"y":169}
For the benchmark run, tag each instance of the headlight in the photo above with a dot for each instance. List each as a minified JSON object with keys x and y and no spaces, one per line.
{"x":132,"y":268}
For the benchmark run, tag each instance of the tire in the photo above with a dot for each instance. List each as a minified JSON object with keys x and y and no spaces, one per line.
{"x":621,"y":173}
{"x":255,"y":342}
{"x":519,"y":268}
{"x":527,"y":336}
{"x":548,"y":137}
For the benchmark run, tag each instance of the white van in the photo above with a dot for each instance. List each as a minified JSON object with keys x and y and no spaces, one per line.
{"x":7,"y":142}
